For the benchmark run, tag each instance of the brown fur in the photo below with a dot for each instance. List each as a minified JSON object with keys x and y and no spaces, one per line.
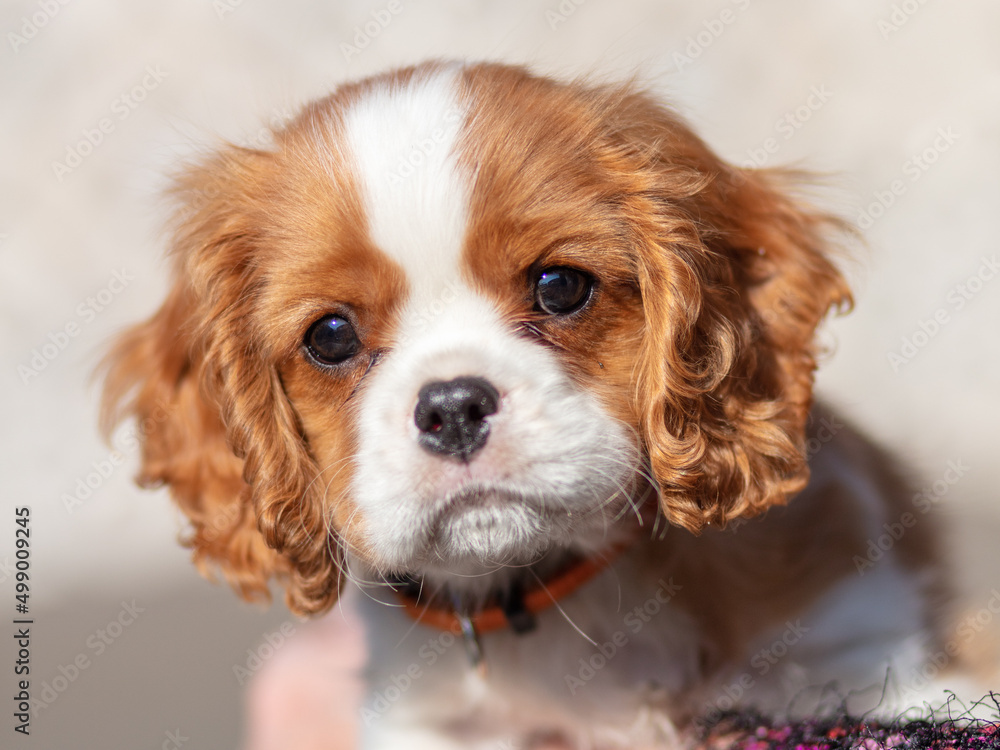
{"x":711,"y":281}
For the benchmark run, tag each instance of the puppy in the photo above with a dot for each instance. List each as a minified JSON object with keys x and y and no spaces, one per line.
{"x":509,"y":355}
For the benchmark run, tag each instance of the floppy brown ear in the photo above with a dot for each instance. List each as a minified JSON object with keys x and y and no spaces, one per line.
{"x":214,"y":422}
{"x":735,"y":277}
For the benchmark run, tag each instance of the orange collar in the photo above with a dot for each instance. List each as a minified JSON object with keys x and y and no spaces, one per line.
{"x":518,"y":613}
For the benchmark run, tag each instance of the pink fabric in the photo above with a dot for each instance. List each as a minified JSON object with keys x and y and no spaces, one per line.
{"x":307,"y":696}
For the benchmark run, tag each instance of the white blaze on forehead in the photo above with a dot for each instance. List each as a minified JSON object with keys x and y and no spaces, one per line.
{"x":554,"y":458}
{"x":403,"y":140}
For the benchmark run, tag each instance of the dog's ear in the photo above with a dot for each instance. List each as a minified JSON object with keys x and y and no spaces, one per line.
{"x":213,"y":419}
{"x":735,"y":276}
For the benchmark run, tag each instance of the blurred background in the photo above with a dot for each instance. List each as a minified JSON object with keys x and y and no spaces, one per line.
{"x":898,"y":101}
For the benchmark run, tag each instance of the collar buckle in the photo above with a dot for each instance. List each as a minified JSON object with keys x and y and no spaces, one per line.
{"x":470,"y":636}
{"x":521,"y":619}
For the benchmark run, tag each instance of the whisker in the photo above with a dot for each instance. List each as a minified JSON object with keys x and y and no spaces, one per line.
{"x":562,"y":611}
{"x":417,"y":620}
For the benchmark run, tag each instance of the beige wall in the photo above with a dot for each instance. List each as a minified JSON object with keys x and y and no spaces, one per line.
{"x":858,"y":88}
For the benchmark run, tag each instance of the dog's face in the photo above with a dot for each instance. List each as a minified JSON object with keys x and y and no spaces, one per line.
{"x":459,"y":317}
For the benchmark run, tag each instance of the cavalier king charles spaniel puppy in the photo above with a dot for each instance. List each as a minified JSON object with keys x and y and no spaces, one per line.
{"x":530,"y":366}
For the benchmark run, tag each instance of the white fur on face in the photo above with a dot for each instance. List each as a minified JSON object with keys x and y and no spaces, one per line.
{"x":556,"y":468}
{"x":402,"y":142}
{"x":552,"y":473}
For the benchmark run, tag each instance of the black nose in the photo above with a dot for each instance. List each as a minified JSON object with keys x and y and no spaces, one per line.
{"x":451,"y":416}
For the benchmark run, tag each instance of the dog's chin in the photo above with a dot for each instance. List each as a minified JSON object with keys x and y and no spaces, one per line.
{"x":487,"y":530}
{"x":479,"y":531}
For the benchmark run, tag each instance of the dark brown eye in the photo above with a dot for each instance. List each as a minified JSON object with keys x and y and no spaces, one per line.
{"x":332,"y":340}
{"x":560,"y":290}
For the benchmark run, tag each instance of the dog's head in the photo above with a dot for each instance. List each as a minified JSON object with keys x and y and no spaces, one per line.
{"x":459,"y":316}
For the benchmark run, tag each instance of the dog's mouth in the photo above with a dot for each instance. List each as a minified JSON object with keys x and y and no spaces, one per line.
{"x":481,"y":528}
{"x":488,"y":526}
{"x":479,"y":496}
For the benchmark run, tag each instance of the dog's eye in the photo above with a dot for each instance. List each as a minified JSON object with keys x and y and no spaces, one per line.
{"x":560,"y":291}
{"x":331,"y":340}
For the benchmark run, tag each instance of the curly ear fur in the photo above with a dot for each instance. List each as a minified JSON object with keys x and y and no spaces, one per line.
{"x":735,"y":276}
{"x":230,"y":446}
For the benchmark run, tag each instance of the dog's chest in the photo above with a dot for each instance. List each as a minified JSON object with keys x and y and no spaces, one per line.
{"x":607,"y":662}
